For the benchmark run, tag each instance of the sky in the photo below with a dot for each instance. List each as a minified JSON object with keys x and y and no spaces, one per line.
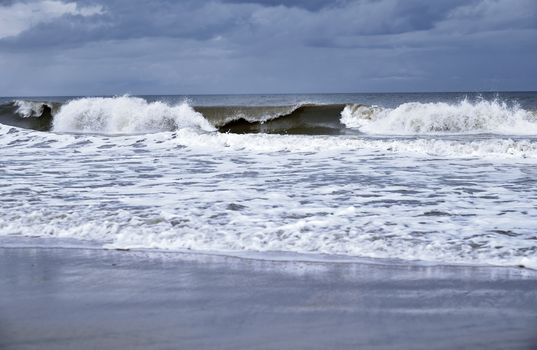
{"x":111,"y":47}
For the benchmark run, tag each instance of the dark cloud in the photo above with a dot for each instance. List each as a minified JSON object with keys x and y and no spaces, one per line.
{"x":194,"y":46}
{"x":312,"y":5}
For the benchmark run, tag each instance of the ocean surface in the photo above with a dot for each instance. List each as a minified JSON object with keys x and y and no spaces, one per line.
{"x":446,"y":178}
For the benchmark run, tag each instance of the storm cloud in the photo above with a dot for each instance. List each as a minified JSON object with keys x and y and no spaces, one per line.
{"x":98,"y":47}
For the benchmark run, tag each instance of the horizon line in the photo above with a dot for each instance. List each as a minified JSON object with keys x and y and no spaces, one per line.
{"x":284,"y":93}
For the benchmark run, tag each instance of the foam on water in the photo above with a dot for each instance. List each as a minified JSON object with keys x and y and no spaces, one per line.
{"x":497,"y":149}
{"x":426,"y":118}
{"x":447,"y":199}
{"x":488,"y":148}
{"x":28,"y":109}
{"x":126,"y":115}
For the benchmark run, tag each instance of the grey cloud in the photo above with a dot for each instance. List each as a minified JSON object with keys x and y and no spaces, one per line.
{"x":194,"y":46}
{"x":203,"y":20}
{"x":312,"y":5}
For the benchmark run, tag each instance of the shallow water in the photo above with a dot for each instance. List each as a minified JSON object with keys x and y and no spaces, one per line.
{"x":195,"y":301}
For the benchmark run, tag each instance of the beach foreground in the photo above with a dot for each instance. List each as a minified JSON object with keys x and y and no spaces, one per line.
{"x":97,"y":299}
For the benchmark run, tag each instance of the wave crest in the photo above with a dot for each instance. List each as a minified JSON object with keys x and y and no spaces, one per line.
{"x":439,"y":117}
{"x":307,"y":119}
{"x":126,"y":115}
{"x":27,"y":109}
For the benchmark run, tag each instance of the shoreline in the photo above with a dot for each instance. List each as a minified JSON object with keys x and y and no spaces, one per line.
{"x":37,"y":242}
{"x":92,"y":298}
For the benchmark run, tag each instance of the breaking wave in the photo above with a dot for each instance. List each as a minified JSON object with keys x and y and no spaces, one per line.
{"x":308,"y":119}
{"x":254,"y":187}
{"x":133,"y":115}
{"x":220,"y":116}
{"x":483,"y":116}
{"x":28,"y":114}
{"x":28,"y":109}
{"x":126,"y":115}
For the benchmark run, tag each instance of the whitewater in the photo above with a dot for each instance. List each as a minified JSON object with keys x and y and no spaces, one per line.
{"x":434,"y":178}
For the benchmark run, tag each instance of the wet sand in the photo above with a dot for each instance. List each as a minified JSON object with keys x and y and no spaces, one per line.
{"x":96,"y":299}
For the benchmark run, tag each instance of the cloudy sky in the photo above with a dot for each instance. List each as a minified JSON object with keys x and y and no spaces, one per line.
{"x":101,"y":47}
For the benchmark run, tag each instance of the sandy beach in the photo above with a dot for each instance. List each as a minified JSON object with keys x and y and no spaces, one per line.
{"x":98,"y":299}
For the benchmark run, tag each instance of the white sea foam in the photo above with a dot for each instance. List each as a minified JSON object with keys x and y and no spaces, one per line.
{"x":488,"y":148}
{"x":126,"y":115}
{"x":150,"y":191}
{"x":28,"y":109}
{"x":446,"y":199}
{"x":496,"y":149}
{"x":428,"y":118}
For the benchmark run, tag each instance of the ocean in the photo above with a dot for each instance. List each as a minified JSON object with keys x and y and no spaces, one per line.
{"x":421,"y":178}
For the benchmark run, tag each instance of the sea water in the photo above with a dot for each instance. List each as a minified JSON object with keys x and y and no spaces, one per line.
{"x":441,"y":178}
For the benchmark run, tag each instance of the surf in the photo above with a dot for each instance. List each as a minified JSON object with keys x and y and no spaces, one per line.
{"x":126,"y":115}
{"x":33,"y":115}
{"x":306,"y":119}
{"x":135,"y":115}
{"x":464,"y":117}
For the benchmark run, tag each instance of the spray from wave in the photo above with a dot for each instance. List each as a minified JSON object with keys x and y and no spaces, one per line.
{"x":33,"y":109}
{"x":133,"y":115}
{"x":428,"y":118}
{"x":32,"y":115}
{"x":126,"y":115}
